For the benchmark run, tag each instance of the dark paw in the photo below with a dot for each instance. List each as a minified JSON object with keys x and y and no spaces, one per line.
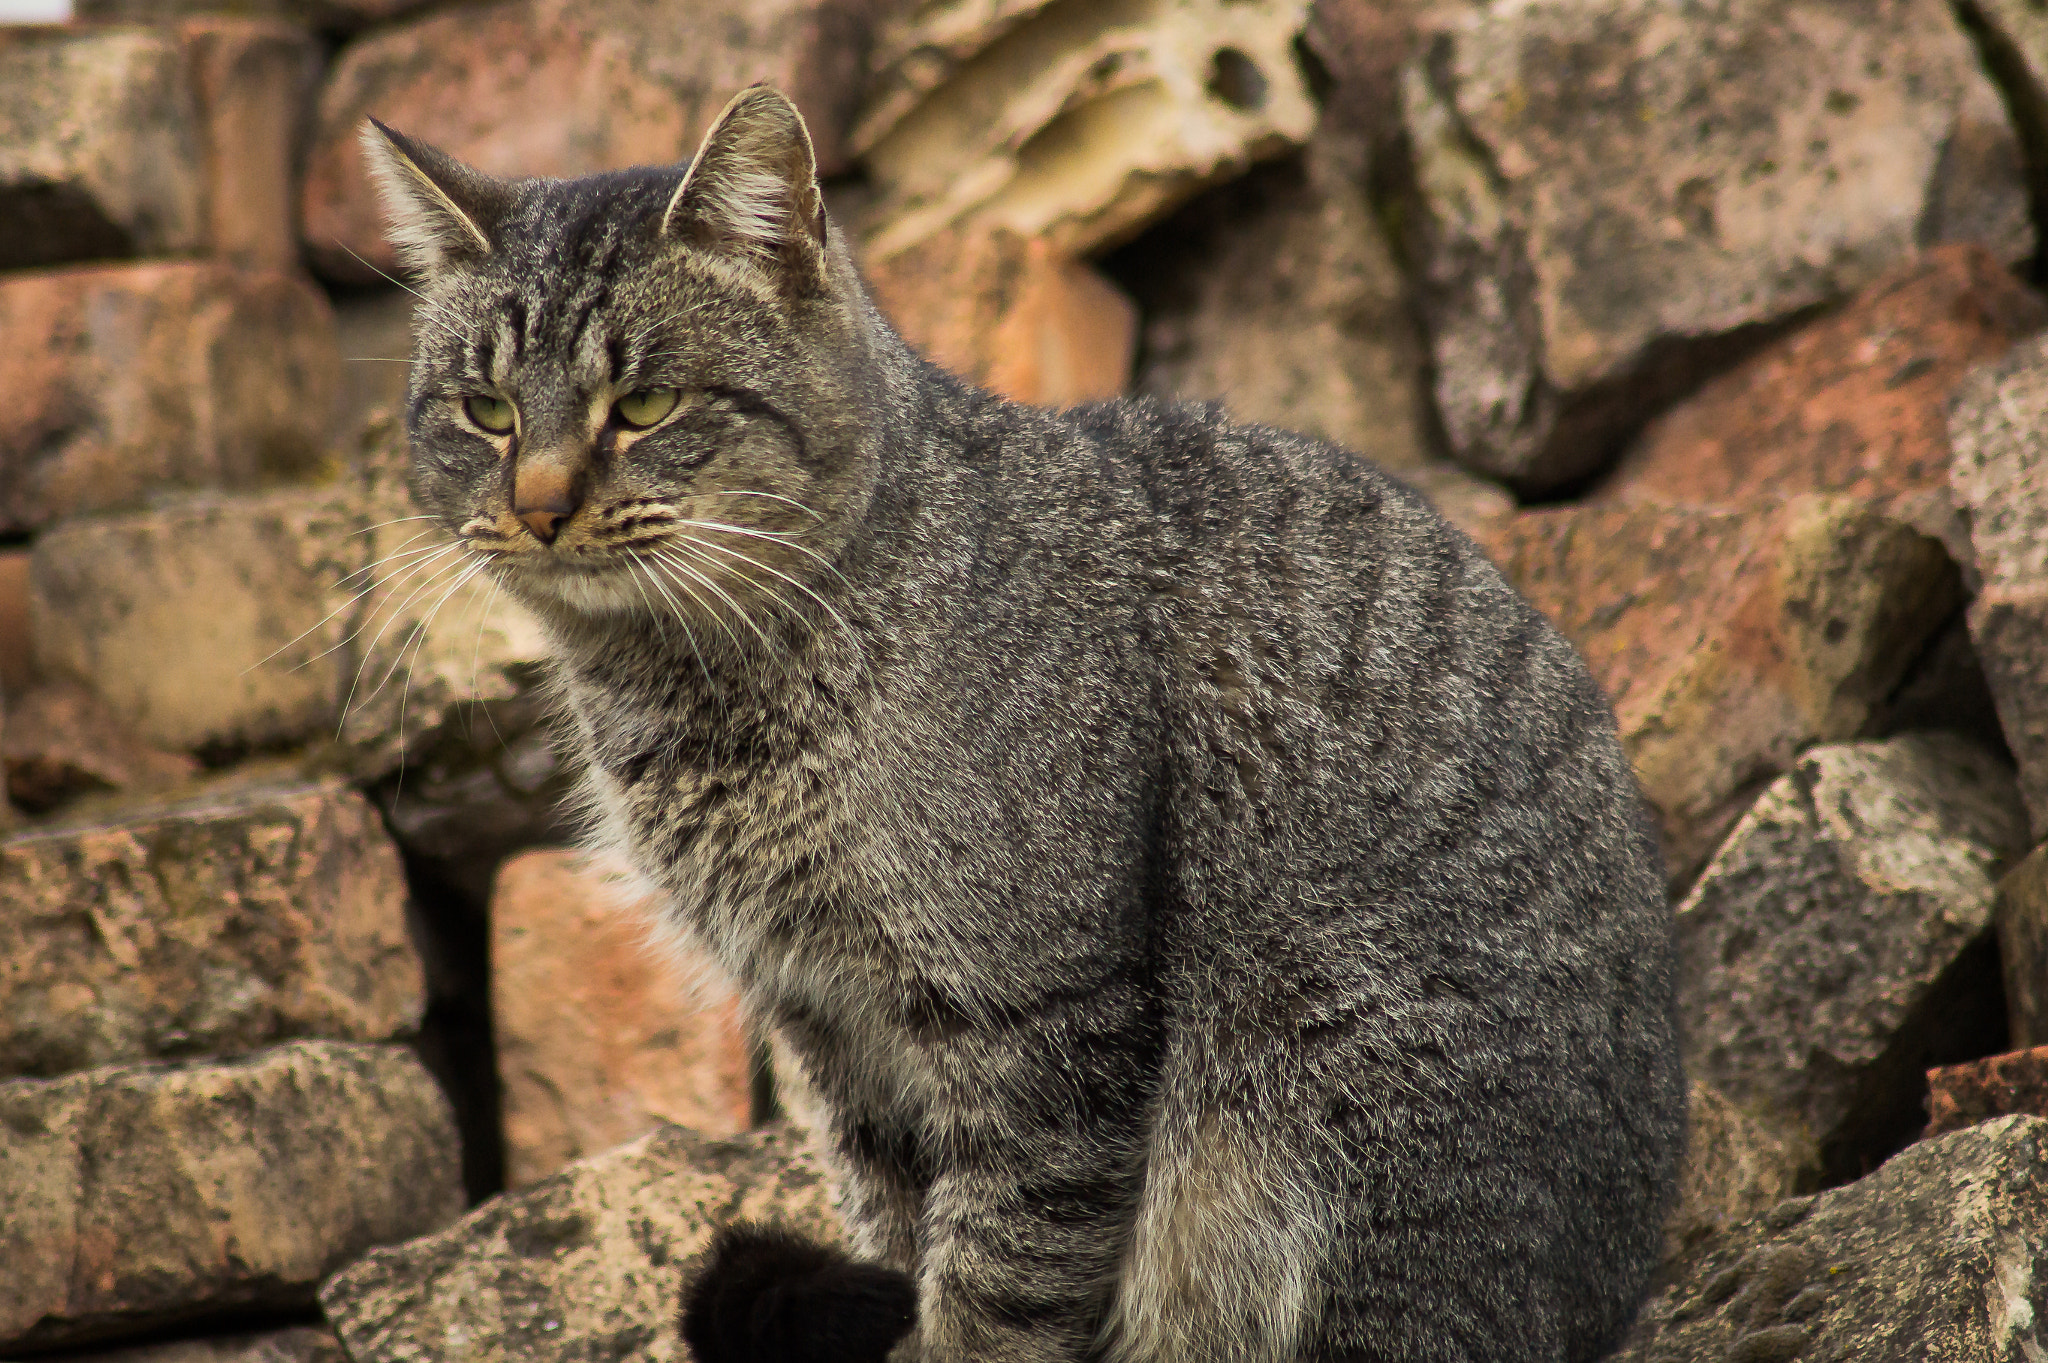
{"x":766,"y":1295}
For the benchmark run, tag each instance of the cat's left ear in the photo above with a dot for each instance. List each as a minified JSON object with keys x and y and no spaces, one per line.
{"x":753,"y":191}
{"x":440,"y":212}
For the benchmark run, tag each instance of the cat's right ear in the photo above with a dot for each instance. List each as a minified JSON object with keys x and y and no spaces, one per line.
{"x":440,"y":212}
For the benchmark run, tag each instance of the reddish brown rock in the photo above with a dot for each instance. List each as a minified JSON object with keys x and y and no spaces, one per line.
{"x":1996,"y":1086}
{"x":1012,"y":315}
{"x":125,"y":380}
{"x":257,"y":909}
{"x":547,"y":87}
{"x":322,"y":14}
{"x":101,"y":149}
{"x":2023,"y":948}
{"x":140,"y":1194}
{"x":602,"y":1033}
{"x":255,"y":82}
{"x":15,"y":652}
{"x":62,"y":742}
{"x":1855,"y":403}
{"x":1730,"y":640}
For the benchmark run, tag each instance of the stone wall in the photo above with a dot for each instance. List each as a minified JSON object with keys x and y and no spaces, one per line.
{"x":1718,"y":325}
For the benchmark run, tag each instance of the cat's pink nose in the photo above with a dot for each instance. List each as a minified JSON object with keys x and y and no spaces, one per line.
{"x":546,"y":522}
{"x":544,"y":495}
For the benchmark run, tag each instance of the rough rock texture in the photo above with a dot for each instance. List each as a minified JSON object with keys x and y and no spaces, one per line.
{"x":1937,"y":1257}
{"x":15,"y":671}
{"x":214,"y":623}
{"x":124,"y":380}
{"x":1736,"y":1165}
{"x":1076,"y":120}
{"x":2023,"y":948}
{"x":295,"y":1344}
{"x":581,"y":1266}
{"x":1999,"y":429}
{"x":1839,"y":943}
{"x":1996,"y":1086}
{"x":62,"y":742}
{"x":1612,"y":197}
{"x":255,"y":82}
{"x":1856,"y":402}
{"x":604,"y":1032}
{"x":262,"y":908}
{"x":1011,"y":315}
{"x":322,"y":14}
{"x":133,"y":1195}
{"x":1729,"y":640}
{"x":563,"y":88}
{"x":101,"y":150}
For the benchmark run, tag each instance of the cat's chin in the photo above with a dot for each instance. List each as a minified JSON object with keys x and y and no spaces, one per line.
{"x":597,"y":594}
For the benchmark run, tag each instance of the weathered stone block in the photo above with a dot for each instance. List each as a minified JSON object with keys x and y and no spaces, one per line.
{"x":1999,"y":429}
{"x":63,"y":742}
{"x":135,"y":1195}
{"x":1737,"y":1165}
{"x":1839,"y":942}
{"x":1011,"y":315}
{"x":1613,"y":198}
{"x":2023,"y":948}
{"x":294,"y":1344}
{"x":1937,"y":1257}
{"x":1730,"y":640}
{"x":1996,"y":1086}
{"x":586,"y":1264}
{"x":256,"y":910}
{"x":15,"y":652}
{"x":343,"y":15}
{"x":255,"y":81}
{"x":1076,"y":123}
{"x":125,"y":380}
{"x":217,"y":622}
{"x":101,"y":147}
{"x":550,"y":87}
{"x":603,"y":1031}
{"x":1855,"y":403}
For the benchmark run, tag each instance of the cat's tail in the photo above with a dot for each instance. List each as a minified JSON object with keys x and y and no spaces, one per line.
{"x":763,"y":1294}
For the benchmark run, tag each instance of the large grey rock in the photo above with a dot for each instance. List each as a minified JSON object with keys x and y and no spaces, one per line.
{"x":1940,"y":1256}
{"x":224,"y":920}
{"x":1839,"y":941}
{"x":135,"y":1195}
{"x":1736,"y":1165}
{"x":1613,"y":196}
{"x":1998,"y":427}
{"x":583,"y":1265}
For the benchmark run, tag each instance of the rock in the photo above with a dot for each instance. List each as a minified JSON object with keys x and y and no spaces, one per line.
{"x":1730,"y":640}
{"x":604,"y":1031}
{"x":329,"y":15}
{"x":375,"y":330}
{"x":294,"y":1344}
{"x":1839,"y":943}
{"x":2023,"y":948}
{"x":487,"y":785}
{"x":586,"y":1264}
{"x":255,"y":81}
{"x":550,"y":87}
{"x":63,"y":742}
{"x":15,"y":671}
{"x":1011,"y":315}
{"x":128,"y":379}
{"x":1996,"y":1086}
{"x":137,"y":1195}
{"x":1855,"y":403}
{"x":1075,"y":123}
{"x":1278,"y":295}
{"x":101,"y":149}
{"x":256,"y":909}
{"x":1736,"y":1165}
{"x":1612,"y":199}
{"x":216,"y":623}
{"x":2000,"y":479}
{"x":1936,"y":1257}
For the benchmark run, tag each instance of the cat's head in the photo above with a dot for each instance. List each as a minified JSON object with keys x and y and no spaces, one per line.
{"x":640,"y":391}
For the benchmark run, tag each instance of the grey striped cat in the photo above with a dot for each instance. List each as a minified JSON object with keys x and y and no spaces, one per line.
{"x":1212,"y":906}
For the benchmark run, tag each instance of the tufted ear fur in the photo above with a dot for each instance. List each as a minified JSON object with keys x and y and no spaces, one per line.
{"x":440,"y":212}
{"x":752,"y":191}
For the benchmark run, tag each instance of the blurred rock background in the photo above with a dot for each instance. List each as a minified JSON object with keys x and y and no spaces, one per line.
{"x":1717,"y":323}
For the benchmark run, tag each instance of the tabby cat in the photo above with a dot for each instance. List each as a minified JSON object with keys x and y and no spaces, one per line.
{"x":1212,"y":906}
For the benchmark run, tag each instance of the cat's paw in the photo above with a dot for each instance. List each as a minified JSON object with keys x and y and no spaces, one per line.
{"x":763,"y":1294}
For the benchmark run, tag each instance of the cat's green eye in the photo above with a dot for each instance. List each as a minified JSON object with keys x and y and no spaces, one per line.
{"x":646,"y":407}
{"x":489,"y":414}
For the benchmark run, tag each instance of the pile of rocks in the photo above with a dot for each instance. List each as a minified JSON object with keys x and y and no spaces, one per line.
{"x":1717,"y":325}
